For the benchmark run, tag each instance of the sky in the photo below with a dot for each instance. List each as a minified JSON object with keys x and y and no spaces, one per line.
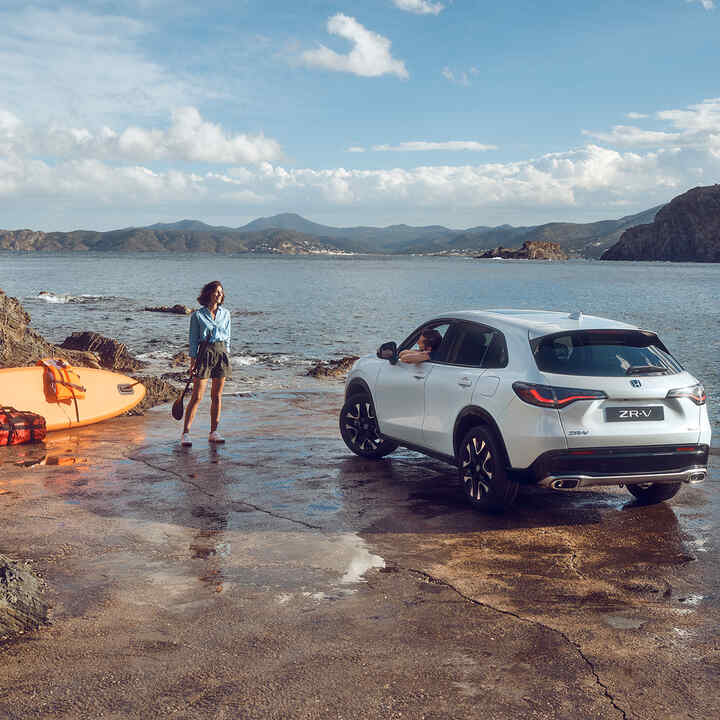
{"x":450,"y":112}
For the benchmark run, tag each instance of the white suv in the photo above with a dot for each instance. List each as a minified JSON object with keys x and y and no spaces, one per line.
{"x":564,"y":400}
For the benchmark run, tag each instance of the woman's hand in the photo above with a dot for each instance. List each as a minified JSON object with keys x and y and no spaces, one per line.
{"x":192,"y":366}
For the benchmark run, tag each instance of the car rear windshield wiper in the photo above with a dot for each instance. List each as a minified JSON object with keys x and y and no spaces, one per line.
{"x":645,"y":370}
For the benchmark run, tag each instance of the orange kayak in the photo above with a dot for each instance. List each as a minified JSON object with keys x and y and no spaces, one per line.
{"x":107,"y":394}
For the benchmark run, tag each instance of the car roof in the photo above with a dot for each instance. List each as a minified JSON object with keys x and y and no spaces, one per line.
{"x":535,"y":323}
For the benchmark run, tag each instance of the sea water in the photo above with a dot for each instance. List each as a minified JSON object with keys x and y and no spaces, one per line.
{"x":290,"y":312}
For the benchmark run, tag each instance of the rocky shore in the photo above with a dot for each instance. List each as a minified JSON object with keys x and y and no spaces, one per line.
{"x":21,"y":346}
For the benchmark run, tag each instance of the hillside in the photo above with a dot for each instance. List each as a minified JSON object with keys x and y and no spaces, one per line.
{"x":687,"y":229}
{"x":215,"y":240}
{"x":290,"y":233}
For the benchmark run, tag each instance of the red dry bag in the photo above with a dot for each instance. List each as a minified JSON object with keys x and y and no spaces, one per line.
{"x":18,"y":427}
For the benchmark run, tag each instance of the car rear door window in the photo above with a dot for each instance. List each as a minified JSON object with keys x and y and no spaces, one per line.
{"x":477,"y":346}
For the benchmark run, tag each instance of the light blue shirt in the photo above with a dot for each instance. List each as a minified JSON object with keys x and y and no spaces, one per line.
{"x":205,"y":328}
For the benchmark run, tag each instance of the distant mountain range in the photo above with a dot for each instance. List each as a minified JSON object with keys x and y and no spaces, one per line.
{"x":289,"y":233}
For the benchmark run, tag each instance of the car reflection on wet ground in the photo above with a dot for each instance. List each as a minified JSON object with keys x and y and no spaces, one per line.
{"x":279,"y":576}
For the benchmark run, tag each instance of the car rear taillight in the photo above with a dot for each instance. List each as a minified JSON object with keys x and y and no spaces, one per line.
{"x":696,"y":393}
{"x":554,"y":397}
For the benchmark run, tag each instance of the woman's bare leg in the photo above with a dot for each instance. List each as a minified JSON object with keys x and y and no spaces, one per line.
{"x":216,"y":402}
{"x":199,"y":385}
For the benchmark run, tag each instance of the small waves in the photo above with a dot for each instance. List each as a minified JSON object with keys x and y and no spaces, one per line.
{"x":63,"y":299}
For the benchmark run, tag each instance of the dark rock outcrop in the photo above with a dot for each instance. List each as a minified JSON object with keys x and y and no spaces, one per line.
{"x":685,"y":230}
{"x":332,"y":368}
{"x":530,"y":250}
{"x":20,"y":345}
{"x":172,"y":309}
{"x":180,"y":358}
{"x":21,"y":607}
{"x":113,"y":354}
{"x":157,"y":392}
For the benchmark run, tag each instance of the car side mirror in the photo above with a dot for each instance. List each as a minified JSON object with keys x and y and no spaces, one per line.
{"x":388,"y":351}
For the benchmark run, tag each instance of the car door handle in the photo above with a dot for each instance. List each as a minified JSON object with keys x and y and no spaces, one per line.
{"x":464,"y":382}
{"x":419,"y":377}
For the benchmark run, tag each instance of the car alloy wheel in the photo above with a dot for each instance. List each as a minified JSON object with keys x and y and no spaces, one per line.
{"x":359,"y":428}
{"x":481,"y":466}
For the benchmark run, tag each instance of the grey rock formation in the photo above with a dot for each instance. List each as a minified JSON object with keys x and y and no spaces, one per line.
{"x":172,"y":309}
{"x":530,"y":250}
{"x":685,"y":230}
{"x":332,"y":368}
{"x":21,"y":607}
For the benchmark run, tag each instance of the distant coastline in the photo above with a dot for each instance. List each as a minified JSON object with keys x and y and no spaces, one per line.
{"x":686,"y":230}
{"x":291,"y":234}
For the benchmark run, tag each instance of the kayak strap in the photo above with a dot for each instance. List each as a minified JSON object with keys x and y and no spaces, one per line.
{"x":62,"y":383}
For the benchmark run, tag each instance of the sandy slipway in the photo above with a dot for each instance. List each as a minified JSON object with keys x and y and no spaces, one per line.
{"x":278,"y":576}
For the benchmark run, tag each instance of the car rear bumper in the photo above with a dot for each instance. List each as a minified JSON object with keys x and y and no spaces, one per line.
{"x":581,"y":468}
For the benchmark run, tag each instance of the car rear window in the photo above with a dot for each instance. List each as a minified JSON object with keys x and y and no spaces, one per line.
{"x":604,"y":353}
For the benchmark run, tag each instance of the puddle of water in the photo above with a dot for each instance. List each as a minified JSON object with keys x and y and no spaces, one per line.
{"x":361,"y":560}
{"x":622,"y":622}
{"x":53,"y":460}
{"x":692,"y":599}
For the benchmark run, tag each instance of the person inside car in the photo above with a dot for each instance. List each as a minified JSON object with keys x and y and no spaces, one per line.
{"x":428,"y":343}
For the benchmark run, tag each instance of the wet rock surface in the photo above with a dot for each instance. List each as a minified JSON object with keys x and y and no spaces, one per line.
{"x":113,"y":354}
{"x":172,"y":309}
{"x":278,"y":576}
{"x":22,"y":607}
{"x":157,"y":392}
{"x":333,"y":368}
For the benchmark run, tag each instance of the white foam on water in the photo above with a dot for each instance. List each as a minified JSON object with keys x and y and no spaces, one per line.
{"x":49,"y":297}
{"x":63,"y":299}
{"x":155,"y":355}
{"x":244,"y":360}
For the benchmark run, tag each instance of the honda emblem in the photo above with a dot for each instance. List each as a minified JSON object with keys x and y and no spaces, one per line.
{"x":636,"y":383}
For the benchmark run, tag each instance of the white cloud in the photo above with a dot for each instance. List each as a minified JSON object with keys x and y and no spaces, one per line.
{"x":707,"y":4}
{"x":629,"y":136}
{"x":461,"y":77}
{"x":424,"y":146}
{"x":636,"y":115}
{"x":96,"y":170}
{"x":356,"y":149}
{"x":704,"y":116}
{"x":420,"y":7}
{"x":697,"y":126}
{"x":369,"y":57}
{"x":189,"y":138}
{"x":81,"y":66}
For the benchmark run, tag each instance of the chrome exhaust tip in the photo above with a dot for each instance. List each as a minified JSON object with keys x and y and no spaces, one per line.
{"x":696,"y":477}
{"x":565,"y":484}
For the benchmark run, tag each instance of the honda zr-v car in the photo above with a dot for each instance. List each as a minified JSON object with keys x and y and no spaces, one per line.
{"x":565,"y":400}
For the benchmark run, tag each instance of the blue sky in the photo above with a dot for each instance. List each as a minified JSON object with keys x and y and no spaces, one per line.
{"x":385,"y":111}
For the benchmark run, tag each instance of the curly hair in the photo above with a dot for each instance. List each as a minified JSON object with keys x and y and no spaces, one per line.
{"x":205,"y":295}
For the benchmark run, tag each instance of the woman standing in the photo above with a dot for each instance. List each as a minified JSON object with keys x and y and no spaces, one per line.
{"x":209,"y":357}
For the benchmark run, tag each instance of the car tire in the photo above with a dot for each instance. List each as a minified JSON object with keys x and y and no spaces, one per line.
{"x":481,"y":465}
{"x":650,"y":493}
{"x":359,"y":428}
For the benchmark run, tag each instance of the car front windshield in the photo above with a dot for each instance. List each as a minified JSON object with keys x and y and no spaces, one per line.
{"x":603,"y":353}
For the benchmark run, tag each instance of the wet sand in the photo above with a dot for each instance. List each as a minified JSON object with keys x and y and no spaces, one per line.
{"x":278,"y":576}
